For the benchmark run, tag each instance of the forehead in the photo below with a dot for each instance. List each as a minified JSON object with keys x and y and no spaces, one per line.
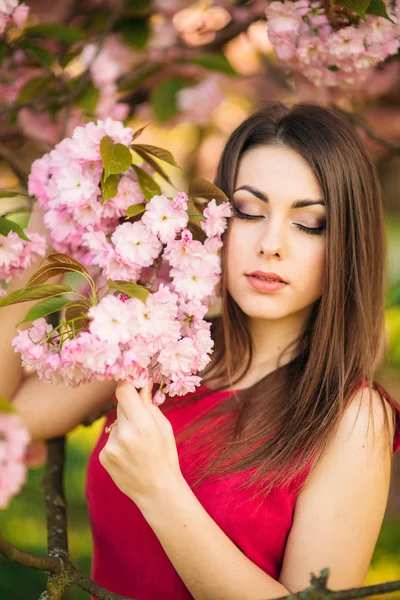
{"x":279,"y":172}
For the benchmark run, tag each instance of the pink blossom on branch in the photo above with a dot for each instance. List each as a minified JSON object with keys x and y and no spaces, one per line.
{"x":307,"y":42}
{"x":17,"y":255}
{"x":14,"y":439}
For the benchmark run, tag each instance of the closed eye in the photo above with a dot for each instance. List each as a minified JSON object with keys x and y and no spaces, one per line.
{"x":242,"y":215}
{"x":303,"y":228}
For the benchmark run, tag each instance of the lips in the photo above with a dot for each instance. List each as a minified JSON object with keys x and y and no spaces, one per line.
{"x":266,"y":276}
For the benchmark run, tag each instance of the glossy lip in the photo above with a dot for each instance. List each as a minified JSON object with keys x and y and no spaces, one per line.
{"x":274,"y":276}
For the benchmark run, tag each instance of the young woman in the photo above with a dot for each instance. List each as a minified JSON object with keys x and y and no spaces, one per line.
{"x":271,"y":471}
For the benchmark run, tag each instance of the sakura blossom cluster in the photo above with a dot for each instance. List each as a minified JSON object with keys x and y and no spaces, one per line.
{"x":126,"y":338}
{"x":337,"y":57}
{"x":67,"y":184}
{"x":12,"y":13}
{"x":14,"y":439}
{"x":17,"y":255}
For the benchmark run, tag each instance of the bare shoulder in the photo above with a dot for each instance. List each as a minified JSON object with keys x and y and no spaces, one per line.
{"x":339,"y":511}
{"x":366,"y":419}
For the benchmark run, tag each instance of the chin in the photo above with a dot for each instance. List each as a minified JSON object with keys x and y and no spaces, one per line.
{"x":256,"y":310}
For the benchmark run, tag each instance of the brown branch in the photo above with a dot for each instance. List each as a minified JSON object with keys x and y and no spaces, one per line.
{"x":19,"y":170}
{"x":319,"y":591}
{"x":43,"y":563}
{"x":56,"y":506}
{"x":362,"y":124}
{"x":95,"y":590}
{"x":92,"y":418}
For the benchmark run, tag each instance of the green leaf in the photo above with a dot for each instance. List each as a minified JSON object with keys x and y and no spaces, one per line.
{"x":135,"y":209}
{"x":45,"y":307}
{"x":130,"y":289}
{"x":45,"y":57}
{"x":160,"y":153}
{"x":357,"y":6}
{"x":36,"y":292}
{"x":138,"y":8}
{"x":139,"y":132}
{"x":6,"y":406}
{"x":215,"y":62}
{"x":55,"y":268}
{"x":109,"y":186}
{"x":69,"y":57}
{"x":35,"y":87}
{"x":88,"y":100}
{"x":163,"y":98}
{"x":333,"y":68}
{"x":6,"y":226}
{"x":378,"y":8}
{"x":56,"y":31}
{"x":201,"y":188}
{"x":148,"y":186}
{"x":5,"y":194}
{"x":117,"y":158}
{"x":135,"y":32}
{"x":153,"y":164}
{"x":66,"y":259}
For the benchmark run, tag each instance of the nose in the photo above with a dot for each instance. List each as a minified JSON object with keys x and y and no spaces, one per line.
{"x":272,"y":241}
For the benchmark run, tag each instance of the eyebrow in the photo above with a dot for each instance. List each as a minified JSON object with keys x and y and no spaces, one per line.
{"x":298,"y":204}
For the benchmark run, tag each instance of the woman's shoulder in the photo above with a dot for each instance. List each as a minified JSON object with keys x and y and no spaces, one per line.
{"x":379,"y":406}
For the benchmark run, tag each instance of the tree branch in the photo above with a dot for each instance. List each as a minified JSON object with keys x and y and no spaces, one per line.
{"x":43,"y":563}
{"x":359,"y":122}
{"x":15,"y":164}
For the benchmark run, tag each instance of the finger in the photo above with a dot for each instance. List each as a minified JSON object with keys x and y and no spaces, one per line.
{"x":146,"y":393}
{"x":131,"y":404}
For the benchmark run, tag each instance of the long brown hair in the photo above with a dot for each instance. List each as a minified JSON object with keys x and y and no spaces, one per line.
{"x":278,"y":426}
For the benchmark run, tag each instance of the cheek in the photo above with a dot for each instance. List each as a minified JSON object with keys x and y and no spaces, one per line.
{"x":312,"y":267}
{"x":236,"y":247}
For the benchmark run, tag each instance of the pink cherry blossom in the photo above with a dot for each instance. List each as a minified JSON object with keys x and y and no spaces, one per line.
{"x":136,"y":244}
{"x":162,"y":219}
{"x":181,"y":385}
{"x":17,"y":255}
{"x":180,"y":201}
{"x":215,"y":223}
{"x":110,"y":320}
{"x":14,"y":439}
{"x":305,"y":39}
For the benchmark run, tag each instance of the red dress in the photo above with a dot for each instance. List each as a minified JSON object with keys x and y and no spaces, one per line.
{"x":129,"y":560}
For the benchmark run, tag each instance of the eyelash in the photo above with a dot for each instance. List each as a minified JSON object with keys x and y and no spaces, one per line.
{"x":308,"y":230}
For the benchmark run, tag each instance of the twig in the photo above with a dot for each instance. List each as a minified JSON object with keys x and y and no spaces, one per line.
{"x":43,"y":563}
{"x":92,"y":418}
{"x":15,"y":164}
{"x":359,"y":122}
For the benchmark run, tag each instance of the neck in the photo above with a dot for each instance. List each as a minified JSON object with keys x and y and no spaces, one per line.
{"x":274,"y":340}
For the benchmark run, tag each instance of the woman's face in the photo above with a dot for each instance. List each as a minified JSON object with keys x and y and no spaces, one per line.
{"x":278,"y":228}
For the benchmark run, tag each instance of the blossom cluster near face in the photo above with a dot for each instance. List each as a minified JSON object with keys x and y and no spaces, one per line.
{"x":17,"y":255}
{"x":305,"y":40}
{"x":128,"y":339}
{"x":66,"y":182}
{"x":14,"y":439}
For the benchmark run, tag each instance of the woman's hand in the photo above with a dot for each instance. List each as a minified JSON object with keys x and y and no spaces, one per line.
{"x":140,"y":454}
